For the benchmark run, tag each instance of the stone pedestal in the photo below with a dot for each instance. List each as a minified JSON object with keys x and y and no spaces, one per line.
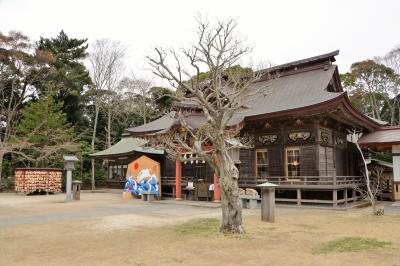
{"x":69,"y":186}
{"x":268,"y":202}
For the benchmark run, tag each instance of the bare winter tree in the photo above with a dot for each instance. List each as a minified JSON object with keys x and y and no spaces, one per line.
{"x":371,"y":185}
{"x":137,"y":92}
{"x":220,"y":96}
{"x":105,"y":69}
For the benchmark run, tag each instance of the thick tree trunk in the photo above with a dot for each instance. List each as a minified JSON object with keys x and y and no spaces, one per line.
{"x":93,"y":184}
{"x":1,"y":167}
{"x":231,"y":210}
{"x":108,"y":130}
{"x":392,"y":117}
{"x":371,"y":195}
{"x":398,"y":122}
{"x":96,"y":117}
{"x":376,"y":107}
{"x":373,"y":204}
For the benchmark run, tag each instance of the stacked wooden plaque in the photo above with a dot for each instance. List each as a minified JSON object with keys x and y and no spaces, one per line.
{"x":29,"y":180}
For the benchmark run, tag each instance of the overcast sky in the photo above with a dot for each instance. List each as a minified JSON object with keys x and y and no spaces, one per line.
{"x":280,"y":31}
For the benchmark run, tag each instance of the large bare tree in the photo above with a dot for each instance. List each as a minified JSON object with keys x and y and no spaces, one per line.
{"x":370,"y":188}
{"x":137,"y":96}
{"x":106,"y":69}
{"x":22,"y":68}
{"x":202,"y":75}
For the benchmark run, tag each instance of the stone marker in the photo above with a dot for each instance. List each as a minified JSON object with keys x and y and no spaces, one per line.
{"x":69,"y":165}
{"x":267,"y":201}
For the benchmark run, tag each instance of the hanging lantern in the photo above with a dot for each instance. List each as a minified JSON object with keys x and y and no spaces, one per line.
{"x":234,"y":153}
{"x":234,"y":149}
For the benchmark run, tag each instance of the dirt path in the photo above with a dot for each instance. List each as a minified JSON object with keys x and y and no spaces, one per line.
{"x":103,"y":229}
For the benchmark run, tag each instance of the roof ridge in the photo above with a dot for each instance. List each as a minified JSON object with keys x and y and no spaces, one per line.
{"x":330,"y":55}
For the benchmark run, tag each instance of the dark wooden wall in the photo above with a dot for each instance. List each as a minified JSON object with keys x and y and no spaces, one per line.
{"x":169,"y":169}
{"x":197,"y":171}
{"x":308,"y":163}
{"x":341,"y":162}
{"x":276,"y":160}
{"x":325,"y":152}
{"x":247,"y":166}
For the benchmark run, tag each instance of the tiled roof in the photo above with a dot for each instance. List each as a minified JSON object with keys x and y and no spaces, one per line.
{"x":283,"y":93}
{"x":298,"y":87}
{"x":128,"y":145}
{"x":292,"y":92}
{"x":385,"y":135}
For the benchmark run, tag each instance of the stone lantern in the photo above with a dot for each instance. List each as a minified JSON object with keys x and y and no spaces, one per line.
{"x":69,"y":165}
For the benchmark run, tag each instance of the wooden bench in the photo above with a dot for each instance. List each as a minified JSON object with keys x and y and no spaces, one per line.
{"x":169,"y":182}
{"x":148,"y":196}
{"x":249,"y":201}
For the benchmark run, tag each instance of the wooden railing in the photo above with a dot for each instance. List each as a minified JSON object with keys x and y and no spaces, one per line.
{"x":302,"y":180}
{"x":170,"y":180}
{"x":282,"y":180}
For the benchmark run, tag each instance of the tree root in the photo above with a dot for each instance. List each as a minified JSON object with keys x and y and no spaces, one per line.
{"x":232,"y":229}
{"x":379,"y":212}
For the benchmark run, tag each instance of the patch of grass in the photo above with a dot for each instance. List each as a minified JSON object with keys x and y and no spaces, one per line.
{"x":207,"y":226}
{"x":175,"y":260}
{"x":307,"y":226}
{"x":351,"y":244}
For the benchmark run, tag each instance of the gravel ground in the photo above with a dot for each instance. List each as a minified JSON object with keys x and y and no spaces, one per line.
{"x":104,"y":229}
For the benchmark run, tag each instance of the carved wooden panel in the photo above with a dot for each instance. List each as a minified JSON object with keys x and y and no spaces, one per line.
{"x":325,"y":136}
{"x":340,"y":141}
{"x":301,"y":135}
{"x":268,"y":139}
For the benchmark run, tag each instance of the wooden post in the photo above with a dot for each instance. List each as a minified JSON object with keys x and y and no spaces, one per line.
{"x":298,"y":197}
{"x":396,"y":169}
{"x":345,"y":196}
{"x":217,"y":192}
{"x":354,"y":195}
{"x":267,"y":202}
{"x":178,"y":180}
{"x":334,"y":198}
{"x":268,"y":205}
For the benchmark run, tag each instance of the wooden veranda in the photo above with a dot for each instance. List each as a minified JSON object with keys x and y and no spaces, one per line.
{"x":343,"y":188}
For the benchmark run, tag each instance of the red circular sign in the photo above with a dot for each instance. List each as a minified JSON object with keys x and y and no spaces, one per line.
{"x":135,"y":166}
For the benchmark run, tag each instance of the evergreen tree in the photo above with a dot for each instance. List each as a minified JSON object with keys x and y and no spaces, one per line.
{"x":71,"y":75}
{"x":46,"y":132}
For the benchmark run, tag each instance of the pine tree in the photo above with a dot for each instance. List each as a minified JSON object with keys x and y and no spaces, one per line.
{"x":46,"y":132}
{"x":71,"y":75}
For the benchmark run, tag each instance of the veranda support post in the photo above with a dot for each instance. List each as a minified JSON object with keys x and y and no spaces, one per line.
{"x":178,"y":180}
{"x":334,"y":198}
{"x":396,"y":170}
{"x":217,"y":192}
